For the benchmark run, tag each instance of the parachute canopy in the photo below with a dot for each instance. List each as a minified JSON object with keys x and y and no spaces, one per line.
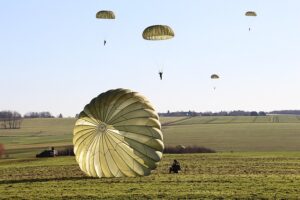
{"x":118,"y":134}
{"x":214,"y":76}
{"x":251,"y":14}
{"x":105,"y":14}
{"x":158,"y":32}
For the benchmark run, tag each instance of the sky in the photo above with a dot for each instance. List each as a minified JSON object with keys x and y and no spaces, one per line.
{"x":52,"y":56}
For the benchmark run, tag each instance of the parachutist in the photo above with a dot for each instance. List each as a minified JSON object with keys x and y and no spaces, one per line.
{"x":175,"y":167}
{"x":158,"y":32}
{"x":105,"y":15}
{"x":214,"y":76}
{"x":250,"y":14}
{"x":160,"y":74}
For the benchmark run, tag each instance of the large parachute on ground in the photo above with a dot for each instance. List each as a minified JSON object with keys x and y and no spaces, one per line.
{"x":158,"y":32}
{"x":105,"y":14}
{"x":118,"y":134}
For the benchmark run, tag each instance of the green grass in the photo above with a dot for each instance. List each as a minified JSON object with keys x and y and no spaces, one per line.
{"x":230,"y":133}
{"x":237,"y":136}
{"x":263,"y":164}
{"x":213,"y":176}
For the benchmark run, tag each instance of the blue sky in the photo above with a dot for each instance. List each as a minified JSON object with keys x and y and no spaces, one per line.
{"x":52,"y":56}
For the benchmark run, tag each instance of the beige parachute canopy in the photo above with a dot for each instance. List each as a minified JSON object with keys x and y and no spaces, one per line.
{"x":158,"y":32}
{"x":118,"y":134}
{"x":214,"y":76}
{"x":251,"y":14}
{"x":105,"y":14}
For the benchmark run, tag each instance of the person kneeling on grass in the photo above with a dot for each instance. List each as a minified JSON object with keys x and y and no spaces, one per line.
{"x":175,"y":167}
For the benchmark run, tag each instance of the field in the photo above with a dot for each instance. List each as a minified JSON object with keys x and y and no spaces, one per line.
{"x":212,"y":176}
{"x":269,"y":133}
{"x":258,"y":158}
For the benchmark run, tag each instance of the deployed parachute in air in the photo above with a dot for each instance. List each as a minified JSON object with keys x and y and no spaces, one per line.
{"x":118,"y":134}
{"x":214,"y":76}
{"x":250,"y":14}
{"x":105,"y":14}
{"x":157,"y":33}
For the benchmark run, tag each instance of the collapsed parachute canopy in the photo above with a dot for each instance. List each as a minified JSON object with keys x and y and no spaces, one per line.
{"x":118,"y":134}
{"x":105,"y":14}
{"x":158,"y":32}
{"x":214,"y":76}
{"x":251,"y":14}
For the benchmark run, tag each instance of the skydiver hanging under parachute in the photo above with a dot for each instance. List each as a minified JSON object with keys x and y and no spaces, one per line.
{"x":157,"y":33}
{"x":250,"y":14}
{"x":105,"y":14}
{"x":214,"y":76}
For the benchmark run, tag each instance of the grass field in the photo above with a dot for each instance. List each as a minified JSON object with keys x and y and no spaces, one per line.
{"x":257,"y":159}
{"x":269,"y":133}
{"x":212,"y":176}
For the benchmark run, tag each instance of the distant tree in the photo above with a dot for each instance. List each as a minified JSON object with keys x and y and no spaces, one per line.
{"x":192,"y":113}
{"x":10,"y":120}
{"x":38,"y":115}
{"x":207,"y":114}
{"x":76,"y":116}
{"x":60,"y":116}
{"x":222,"y":113}
{"x":46,"y":115}
{"x":238,"y":113}
{"x":261,"y":113}
{"x":31,"y":115}
{"x":253,"y":113}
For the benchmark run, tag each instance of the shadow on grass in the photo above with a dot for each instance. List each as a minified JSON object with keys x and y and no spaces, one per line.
{"x":45,"y":180}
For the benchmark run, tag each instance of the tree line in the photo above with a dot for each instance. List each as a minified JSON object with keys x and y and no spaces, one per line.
{"x":13,"y":119}
{"x":285,"y":112}
{"x":38,"y":115}
{"x":228,"y":113}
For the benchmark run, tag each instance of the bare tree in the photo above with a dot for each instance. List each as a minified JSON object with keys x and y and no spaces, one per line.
{"x":10,"y":120}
